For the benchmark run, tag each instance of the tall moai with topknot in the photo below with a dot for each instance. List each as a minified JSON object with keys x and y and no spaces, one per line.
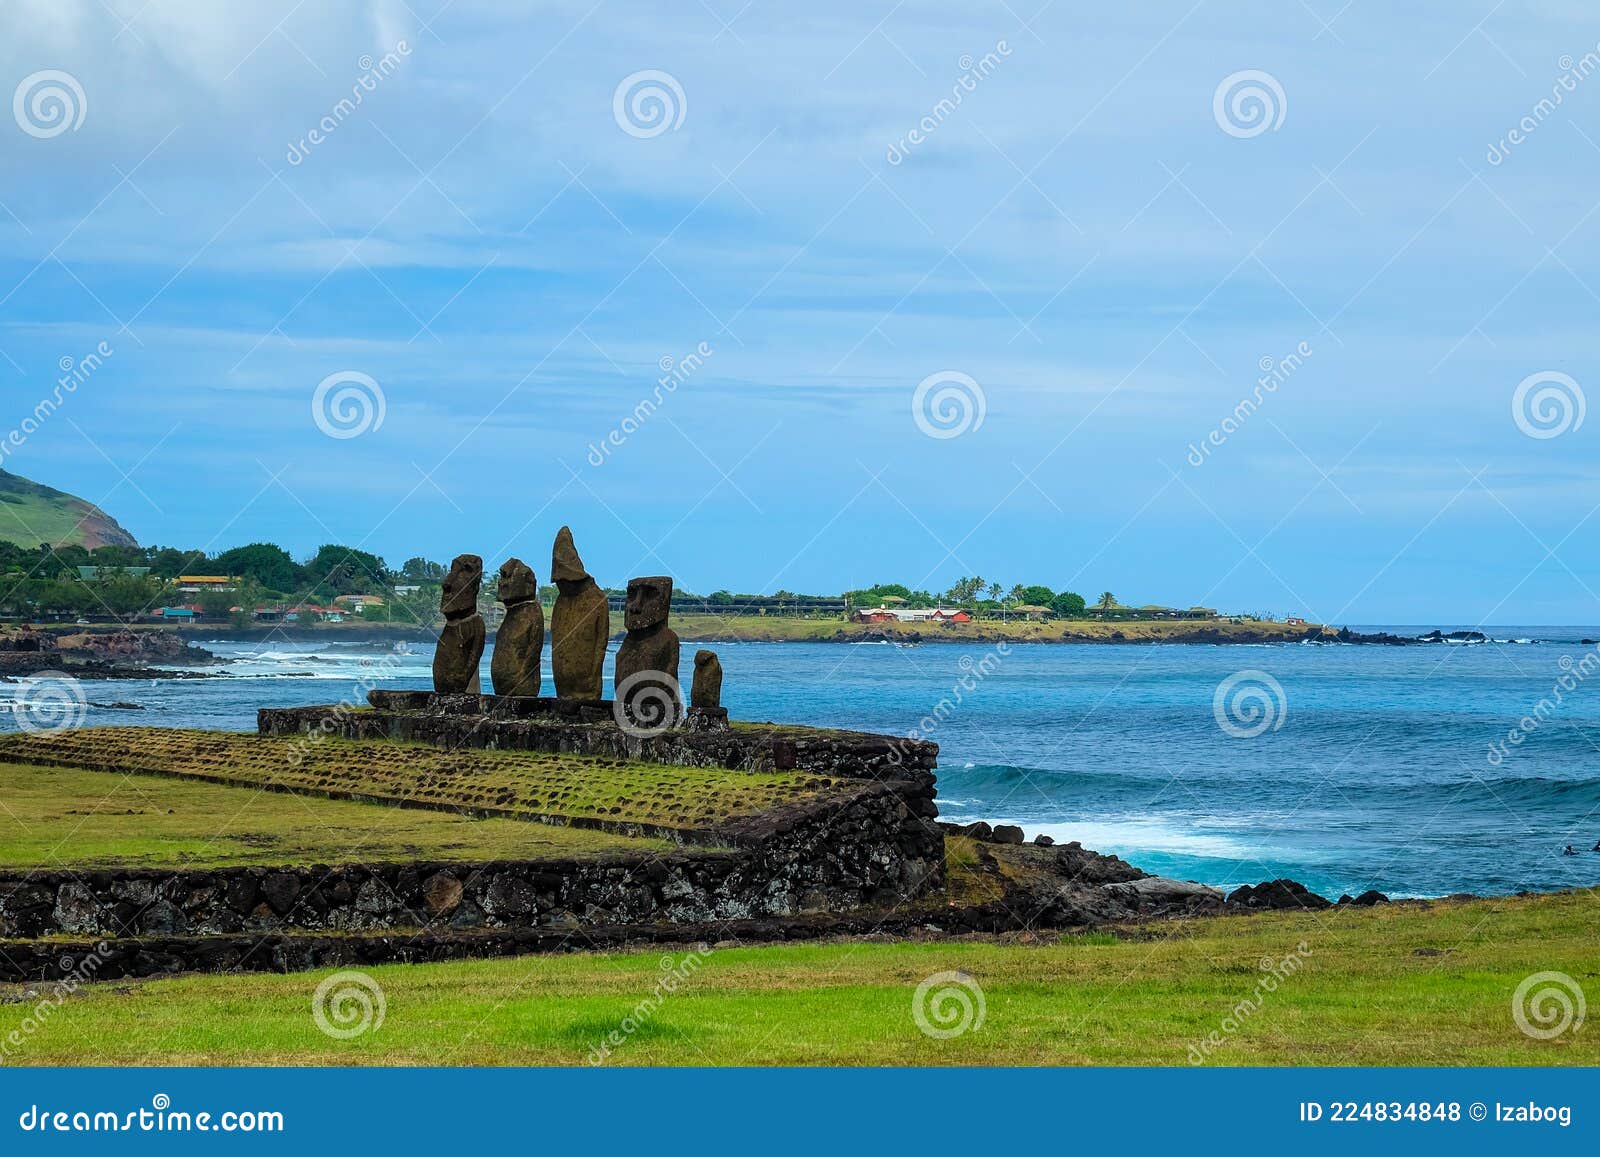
{"x":455,"y":659}
{"x":580,"y":624}
{"x":520,"y":639}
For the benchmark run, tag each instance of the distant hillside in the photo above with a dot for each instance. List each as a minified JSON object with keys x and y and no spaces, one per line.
{"x":31,"y":513}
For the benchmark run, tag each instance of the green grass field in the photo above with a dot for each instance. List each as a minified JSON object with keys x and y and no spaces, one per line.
{"x":1405,"y":984}
{"x":781,"y":629}
{"x":511,"y":782}
{"x":31,"y":513}
{"x":59,"y":817}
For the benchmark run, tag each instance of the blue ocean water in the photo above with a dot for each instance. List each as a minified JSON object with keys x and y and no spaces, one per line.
{"x":1345,"y":767}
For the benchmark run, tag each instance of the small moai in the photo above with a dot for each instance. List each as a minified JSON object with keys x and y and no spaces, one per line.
{"x":580,"y":624}
{"x":706,"y":690}
{"x":647,"y":660}
{"x":519,"y":642}
{"x":455,"y":660}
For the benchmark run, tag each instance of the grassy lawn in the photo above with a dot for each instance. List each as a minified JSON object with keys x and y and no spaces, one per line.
{"x":779,"y":629}
{"x":55,"y":817}
{"x":514,"y":782}
{"x":1390,"y":985}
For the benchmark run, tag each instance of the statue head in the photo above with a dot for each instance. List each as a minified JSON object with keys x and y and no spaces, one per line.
{"x":649,"y":602}
{"x":517,"y":582}
{"x":565,"y":565}
{"x":458,"y":597}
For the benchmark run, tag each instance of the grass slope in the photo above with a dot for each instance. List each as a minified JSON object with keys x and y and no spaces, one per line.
{"x":780,"y":629}
{"x":508,"y":782}
{"x":31,"y":513}
{"x":59,"y":818}
{"x":1406,"y":984}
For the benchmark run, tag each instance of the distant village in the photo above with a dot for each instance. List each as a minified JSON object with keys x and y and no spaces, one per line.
{"x":261,"y":584}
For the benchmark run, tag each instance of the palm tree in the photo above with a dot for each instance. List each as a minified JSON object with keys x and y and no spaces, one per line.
{"x":1108,"y":600}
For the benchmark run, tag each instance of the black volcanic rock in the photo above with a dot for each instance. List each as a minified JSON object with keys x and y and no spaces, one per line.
{"x":1278,"y":895}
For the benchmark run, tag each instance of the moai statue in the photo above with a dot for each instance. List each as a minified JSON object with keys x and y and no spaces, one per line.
{"x":646,"y":675}
{"x":455,"y":661}
{"x":706,"y":690}
{"x":580,"y":624}
{"x":519,"y":642}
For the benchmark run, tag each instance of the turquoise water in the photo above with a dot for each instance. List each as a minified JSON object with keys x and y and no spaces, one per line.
{"x":1373,"y":766}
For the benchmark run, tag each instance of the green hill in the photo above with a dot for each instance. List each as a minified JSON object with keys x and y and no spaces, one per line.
{"x":31,"y":513}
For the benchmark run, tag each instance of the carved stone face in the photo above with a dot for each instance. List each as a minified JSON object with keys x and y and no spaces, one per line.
{"x":517,"y":582}
{"x":649,"y":601}
{"x":459,"y":594}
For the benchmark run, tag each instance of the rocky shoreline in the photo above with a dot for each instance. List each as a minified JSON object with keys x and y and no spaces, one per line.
{"x":105,"y":654}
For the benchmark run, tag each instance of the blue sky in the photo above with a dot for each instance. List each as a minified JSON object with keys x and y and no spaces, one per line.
{"x":1088,"y":237}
